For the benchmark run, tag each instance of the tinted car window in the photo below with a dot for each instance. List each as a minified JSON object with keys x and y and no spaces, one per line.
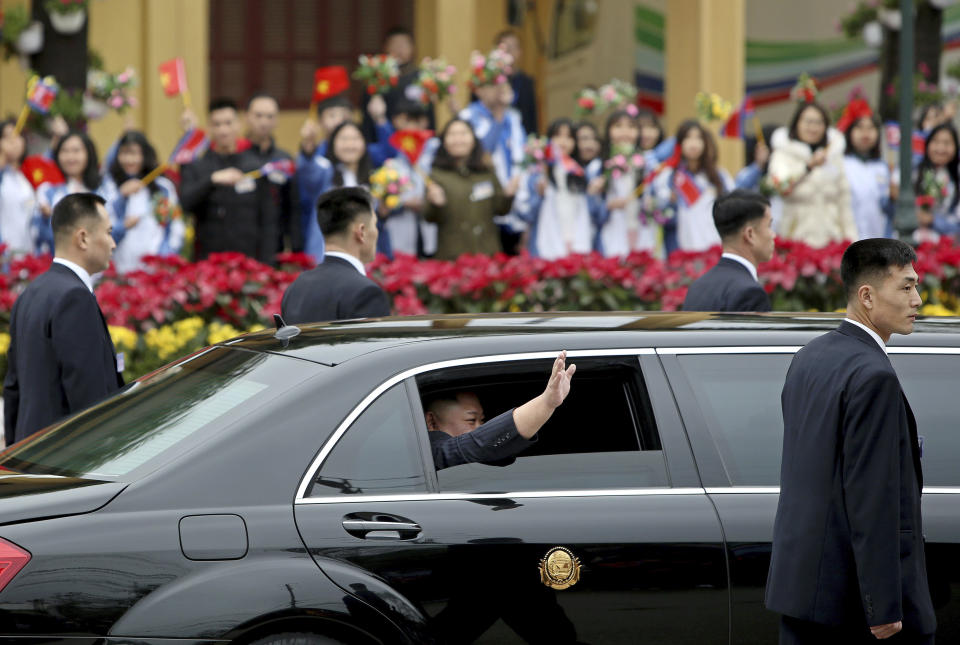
{"x":603,"y":436}
{"x":931,"y":384}
{"x":739,"y":396}
{"x":378,"y":454}
{"x":162,"y":414}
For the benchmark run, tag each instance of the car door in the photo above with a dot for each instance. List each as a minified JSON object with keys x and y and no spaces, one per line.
{"x":610,"y":483}
{"x":729,"y":399}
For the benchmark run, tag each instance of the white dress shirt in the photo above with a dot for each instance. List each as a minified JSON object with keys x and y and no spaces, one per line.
{"x":79,"y":270}
{"x":745,"y":262}
{"x":872,"y":333}
{"x":357,"y":264}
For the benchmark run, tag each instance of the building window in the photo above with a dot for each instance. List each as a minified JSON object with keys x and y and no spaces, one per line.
{"x":274,"y":46}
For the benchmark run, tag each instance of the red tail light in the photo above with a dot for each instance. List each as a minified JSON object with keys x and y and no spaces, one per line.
{"x":12,"y":559}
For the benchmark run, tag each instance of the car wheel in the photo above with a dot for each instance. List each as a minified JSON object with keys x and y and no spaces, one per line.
{"x":296,"y":638}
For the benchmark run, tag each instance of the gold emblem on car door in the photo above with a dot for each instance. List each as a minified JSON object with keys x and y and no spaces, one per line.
{"x":559,"y":569}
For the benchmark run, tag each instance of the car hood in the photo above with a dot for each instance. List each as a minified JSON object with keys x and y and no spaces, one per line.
{"x":35,"y":497}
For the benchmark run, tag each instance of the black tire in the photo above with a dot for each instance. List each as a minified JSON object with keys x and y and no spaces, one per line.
{"x":296,"y":638}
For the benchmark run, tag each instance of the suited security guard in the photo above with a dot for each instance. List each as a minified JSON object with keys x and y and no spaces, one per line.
{"x":61,"y":358}
{"x":339,"y":289}
{"x":744,"y":223}
{"x":848,"y":564}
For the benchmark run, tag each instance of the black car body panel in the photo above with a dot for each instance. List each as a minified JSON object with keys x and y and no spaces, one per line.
{"x":238,"y":528}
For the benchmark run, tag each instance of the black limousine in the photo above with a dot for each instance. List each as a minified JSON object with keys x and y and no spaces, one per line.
{"x":279,"y":488}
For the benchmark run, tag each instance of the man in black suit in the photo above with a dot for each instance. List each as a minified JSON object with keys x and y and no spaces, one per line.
{"x":524,"y":87}
{"x":848,"y":564}
{"x":743,"y":221}
{"x":234,"y":211}
{"x":339,"y":288}
{"x":458,"y":434}
{"x":61,"y":358}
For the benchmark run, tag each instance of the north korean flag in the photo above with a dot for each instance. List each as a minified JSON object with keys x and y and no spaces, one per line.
{"x":736,"y":125}
{"x":190,"y":147}
{"x":41,"y":95}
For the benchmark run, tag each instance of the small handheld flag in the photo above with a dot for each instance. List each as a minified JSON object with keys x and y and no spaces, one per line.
{"x":411,"y":142}
{"x":40,"y":170}
{"x":327,"y":83}
{"x":190,"y":147}
{"x":569,"y":165}
{"x":918,"y":140}
{"x":40,"y":96}
{"x":173,"y":79}
{"x":687,"y":187}
{"x":736,"y":125}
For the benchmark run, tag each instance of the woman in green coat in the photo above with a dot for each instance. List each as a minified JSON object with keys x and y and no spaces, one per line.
{"x":463,"y":195}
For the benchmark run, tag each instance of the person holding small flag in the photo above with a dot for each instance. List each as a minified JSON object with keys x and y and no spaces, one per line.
{"x":146,"y":216}
{"x":682,"y":196}
{"x":231,"y":202}
{"x":937,"y":185}
{"x":807,"y":170}
{"x":871,"y":191}
{"x":329,"y":107}
{"x":262,"y":110}
{"x":17,"y":197}
{"x":76,"y":159}
{"x":553,"y":199}
{"x":621,"y":228}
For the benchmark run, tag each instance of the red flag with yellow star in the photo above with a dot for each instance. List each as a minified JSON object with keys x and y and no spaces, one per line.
{"x":173,"y":77}
{"x":40,"y":170}
{"x":329,"y":81}
{"x":410,"y":142}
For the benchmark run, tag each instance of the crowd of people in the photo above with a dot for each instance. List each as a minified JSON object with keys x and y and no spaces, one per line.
{"x":475,"y":187}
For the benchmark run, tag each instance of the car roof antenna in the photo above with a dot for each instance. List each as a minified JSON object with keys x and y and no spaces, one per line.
{"x":284,"y":331}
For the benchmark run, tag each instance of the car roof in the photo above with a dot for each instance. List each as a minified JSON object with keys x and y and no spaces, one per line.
{"x":333,"y":343}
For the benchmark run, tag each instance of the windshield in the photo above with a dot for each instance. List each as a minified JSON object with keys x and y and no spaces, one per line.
{"x":166,"y":412}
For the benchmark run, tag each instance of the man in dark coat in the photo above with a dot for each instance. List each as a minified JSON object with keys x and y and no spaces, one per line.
{"x":262,"y":111}
{"x":233,"y":211}
{"x":743,"y":221}
{"x":339,"y":288}
{"x":524,"y":87}
{"x":848,"y":563}
{"x":458,"y":434}
{"x":61,"y":359}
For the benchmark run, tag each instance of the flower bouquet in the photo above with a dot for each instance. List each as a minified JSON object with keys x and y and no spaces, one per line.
{"x":933,"y":189}
{"x":806,"y":90}
{"x":435,"y":80}
{"x":164,"y":211}
{"x":710,"y":107}
{"x":387,"y":183}
{"x":379,"y":73}
{"x":615,"y":95}
{"x":622,"y":162}
{"x":112,"y":89}
{"x":535,"y":151}
{"x":492,"y":69}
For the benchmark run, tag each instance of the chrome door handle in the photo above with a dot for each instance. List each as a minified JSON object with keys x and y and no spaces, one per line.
{"x":381,"y":527}
{"x":366,"y":525}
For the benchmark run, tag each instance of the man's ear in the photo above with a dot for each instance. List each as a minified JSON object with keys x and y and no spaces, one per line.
{"x":81,"y":237}
{"x":865,"y":296}
{"x":431,"y":420}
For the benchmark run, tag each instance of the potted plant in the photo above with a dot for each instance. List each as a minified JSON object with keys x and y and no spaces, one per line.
{"x":21,"y":35}
{"x":106,"y":91}
{"x":67,"y":16}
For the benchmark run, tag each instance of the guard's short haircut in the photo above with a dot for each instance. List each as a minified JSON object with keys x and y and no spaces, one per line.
{"x":223,"y":103}
{"x":70,"y":212}
{"x":736,"y":209}
{"x":338,"y":208}
{"x":869,"y":261}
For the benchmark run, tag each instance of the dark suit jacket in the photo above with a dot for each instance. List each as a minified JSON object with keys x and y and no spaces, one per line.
{"x":729,"y":286}
{"x":334,"y":290}
{"x":61,"y":358}
{"x":227,"y":220}
{"x":847,"y":540}
{"x":496,"y":443}
{"x":525,"y":100}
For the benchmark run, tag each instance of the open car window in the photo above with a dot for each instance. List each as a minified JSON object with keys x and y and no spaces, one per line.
{"x":604,"y":436}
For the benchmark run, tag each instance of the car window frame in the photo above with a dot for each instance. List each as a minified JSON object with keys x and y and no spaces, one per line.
{"x":705,"y":452}
{"x":678,"y":445}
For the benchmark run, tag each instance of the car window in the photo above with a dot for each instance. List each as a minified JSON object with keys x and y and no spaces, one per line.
{"x":159,"y":416}
{"x":604,"y":436}
{"x":739,"y":396}
{"x":931,"y":383}
{"x":379,"y":453}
